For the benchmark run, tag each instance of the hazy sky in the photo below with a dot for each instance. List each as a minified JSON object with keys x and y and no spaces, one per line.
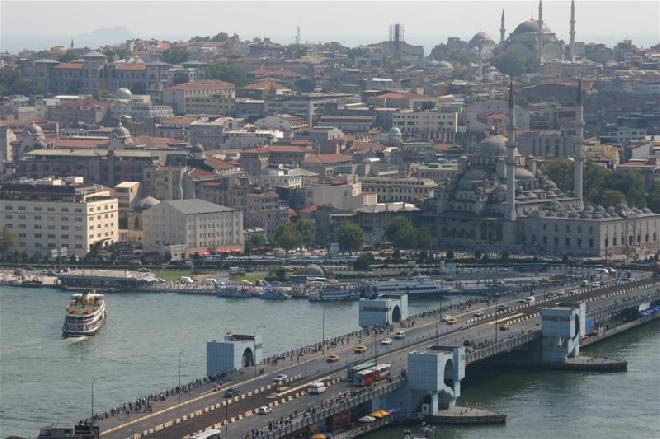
{"x":41,"y":24}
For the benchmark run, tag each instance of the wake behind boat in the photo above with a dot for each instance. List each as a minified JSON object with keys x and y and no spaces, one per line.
{"x":85,"y":315}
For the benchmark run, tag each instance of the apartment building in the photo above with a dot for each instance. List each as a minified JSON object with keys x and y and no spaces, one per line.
{"x":49,"y":215}
{"x":213,"y":97}
{"x":435,"y":125}
{"x":408,"y":189}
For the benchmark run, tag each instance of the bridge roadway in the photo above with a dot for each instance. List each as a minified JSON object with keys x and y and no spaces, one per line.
{"x":479,"y":331}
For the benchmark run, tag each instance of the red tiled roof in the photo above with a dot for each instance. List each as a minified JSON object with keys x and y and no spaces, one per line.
{"x":218,"y":164}
{"x":179,"y":120}
{"x":365,"y":147}
{"x":202,"y":85}
{"x":264,"y":85}
{"x":328,"y":158}
{"x":76,"y":143}
{"x":196,"y":173}
{"x":134,"y":67}
{"x":69,"y":66}
{"x":275,"y":148}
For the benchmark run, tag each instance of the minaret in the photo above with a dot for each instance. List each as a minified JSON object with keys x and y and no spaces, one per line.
{"x":539,"y":58}
{"x":572,"y":47}
{"x":579,"y":146}
{"x":511,"y":161}
{"x":502,"y":29}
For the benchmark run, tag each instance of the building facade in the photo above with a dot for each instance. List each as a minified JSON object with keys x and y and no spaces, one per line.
{"x":52,"y":214}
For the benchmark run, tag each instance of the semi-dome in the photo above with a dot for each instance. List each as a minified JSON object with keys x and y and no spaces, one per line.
{"x":198,"y":148}
{"x":480,"y":38}
{"x":524,"y":174}
{"x":492,"y":146}
{"x":394,"y":132}
{"x":531,"y":25}
{"x":146,"y":203}
{"x":120,"y":132}
{"x":123,"y":93}
{"x":445,"y":64}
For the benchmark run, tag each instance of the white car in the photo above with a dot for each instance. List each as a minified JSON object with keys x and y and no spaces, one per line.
{"x":446,"y":317}
{"x":264,"y":410}
{"x":478,"y":314}
{"x":280,"y":378}
{"x":386,"y":341}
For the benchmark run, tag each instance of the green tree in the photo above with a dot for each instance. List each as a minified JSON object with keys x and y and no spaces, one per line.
{"x":401,"y":233}
{"x":70,"y":55}
{"x":297,"y":199}
{"x":350,"y":237}
{"x":305,"y":231}
{"x":363,"y":262}
{"x":120,"y":53}
{"x":611,"y":197}
{"x":229,"y":71}
{"x":286,"y":236}
{"x":7,"y":240}
{"x":512,"y":62}
{"x":424,"y":239}
{"x":176,"y":55}
{"x":653,"y":197}
{"x":11,"y":83}
{"x":255,"y":241}
{"x":631,"y":184}
{"x":561,"y":172}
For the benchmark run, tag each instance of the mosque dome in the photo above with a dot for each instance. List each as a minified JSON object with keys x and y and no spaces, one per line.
{"x":492,"y":146}
{"x":123,"y":93}
{"x":530,"y":25}
{"x":394,"y":132}
{"x":480,"y":38}
{"x":445,"y":64}
{"x":146,"y":203}
{"x":33,"y":130}
{"x":524,"y":174}
{"x":120,"y":132}
{"x":198,"y":148}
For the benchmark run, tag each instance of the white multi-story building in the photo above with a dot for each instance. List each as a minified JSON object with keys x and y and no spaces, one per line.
{"x":49,"y":215}
{"x":342,"y":195}
{"x":436,"y":125}
{"x":408,"y":189}
{"x":193,"y":224}
{"x":201,"y":97}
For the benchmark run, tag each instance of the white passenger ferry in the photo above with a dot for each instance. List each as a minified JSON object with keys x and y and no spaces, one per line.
{"x":85,"y":314}
{"x":414,"y":287}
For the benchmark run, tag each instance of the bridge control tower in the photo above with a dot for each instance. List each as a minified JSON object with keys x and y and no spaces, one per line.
{"x":235,"y":352}
{"x":433,"y":384}
{"x":562,"y":328}
{"x":384,"y":309}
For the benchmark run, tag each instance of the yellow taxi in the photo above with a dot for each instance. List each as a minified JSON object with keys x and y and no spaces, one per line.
{"x":360,"y":349}
{"x":332,"y":358}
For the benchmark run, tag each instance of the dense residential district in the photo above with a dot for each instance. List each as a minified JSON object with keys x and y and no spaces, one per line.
{"x":220,"y":145}
{"x":510,"y":180}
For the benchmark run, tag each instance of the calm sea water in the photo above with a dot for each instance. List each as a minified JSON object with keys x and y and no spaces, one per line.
{"x":45,"y":378}
{"x":555,"y":404}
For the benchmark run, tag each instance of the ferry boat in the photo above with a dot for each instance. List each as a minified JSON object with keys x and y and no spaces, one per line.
{"x":85,"y":314}
{"x":237,"y":292}
{"x":336,"y":293}
{"x":415,"y":287}
{"x":274,"y":293}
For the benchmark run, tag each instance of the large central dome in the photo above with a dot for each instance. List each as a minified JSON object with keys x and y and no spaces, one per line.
{"x":492,"y":146}
{"x":530,"y":25}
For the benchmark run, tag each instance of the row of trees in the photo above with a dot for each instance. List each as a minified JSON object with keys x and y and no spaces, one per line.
{"x":606,"y":187}
{"x":11,"y":83}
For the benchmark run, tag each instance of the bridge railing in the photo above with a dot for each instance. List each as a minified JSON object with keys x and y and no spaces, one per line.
{"x":501,"y":346}
{"x":321,"y":413}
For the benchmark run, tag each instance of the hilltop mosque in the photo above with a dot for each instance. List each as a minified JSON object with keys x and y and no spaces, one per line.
{"x":536,"y":41}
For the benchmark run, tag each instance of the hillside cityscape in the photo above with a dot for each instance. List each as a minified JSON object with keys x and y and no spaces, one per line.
{"x":509,"y":180}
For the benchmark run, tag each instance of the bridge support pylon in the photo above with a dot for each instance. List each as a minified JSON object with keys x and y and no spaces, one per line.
{"x":562,"y":328}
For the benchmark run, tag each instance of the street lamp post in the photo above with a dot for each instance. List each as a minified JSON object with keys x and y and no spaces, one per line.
{"x":323,"y":334}
{"x":93,"y":381}
{"x":254,"y":354}
{"x":180,"y":352}
{"x":496,"y":319}
{"x":375,"y":348}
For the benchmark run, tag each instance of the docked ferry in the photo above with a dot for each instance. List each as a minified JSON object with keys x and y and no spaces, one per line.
{"x":85,"y":314}
{"x":420,"y":286}
{"x":237,"y":291}
{"x":336,"y":293}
